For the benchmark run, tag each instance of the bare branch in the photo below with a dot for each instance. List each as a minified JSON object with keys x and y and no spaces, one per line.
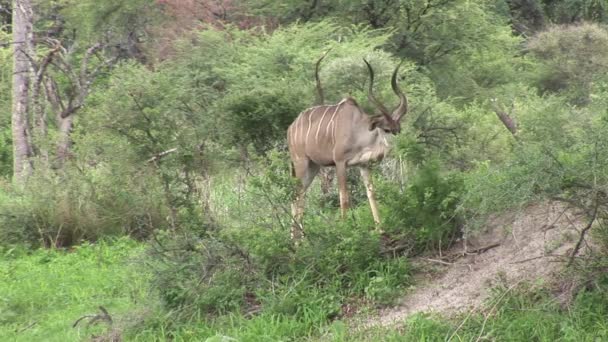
{"x":80,"y":80}
{"x":581,"y":238}
{"x":85,"y":64}
{"x":53,"y":95}
{"x":44,"y":63}
{"x":161,"y":154}
{"x":105,"y":64}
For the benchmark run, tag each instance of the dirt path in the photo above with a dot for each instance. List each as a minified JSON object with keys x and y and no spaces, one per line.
{"x":531,"y":242}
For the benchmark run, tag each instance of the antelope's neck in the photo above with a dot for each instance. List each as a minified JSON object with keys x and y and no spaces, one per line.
{"x":374,"y":150}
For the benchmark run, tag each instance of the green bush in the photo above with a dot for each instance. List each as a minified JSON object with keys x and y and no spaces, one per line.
{"x":64,"y":209}
{"x":250,"y":263}
{"x":269,"y":111}
{"x":424,"y":214}
{"x":573,"y":57}
{"x":199,"y":275}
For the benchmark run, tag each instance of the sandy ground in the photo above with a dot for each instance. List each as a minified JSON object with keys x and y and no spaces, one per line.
{"x":529,"y":245}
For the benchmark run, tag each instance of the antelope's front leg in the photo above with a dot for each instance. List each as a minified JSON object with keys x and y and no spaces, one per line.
{"x":342,"y":187}
{"x":369,"y":189}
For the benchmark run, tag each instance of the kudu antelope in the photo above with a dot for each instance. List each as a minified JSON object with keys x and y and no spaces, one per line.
{"x":341,"y":135}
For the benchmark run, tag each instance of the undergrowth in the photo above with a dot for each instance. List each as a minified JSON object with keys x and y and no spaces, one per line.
{"x":573,"y":309}
{"x":44,"y":292}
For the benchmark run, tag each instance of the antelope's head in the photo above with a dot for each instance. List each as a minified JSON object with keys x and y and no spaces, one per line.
{"x":388,"y":122}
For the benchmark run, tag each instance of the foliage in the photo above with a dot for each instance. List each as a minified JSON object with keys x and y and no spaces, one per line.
{"x":424,"y":212}
{"x":6,"y":155}
{"x":268,"y":111}
{"x":569,"y":170}
{"x":118,"y":21}
{"x":64,"y":209}
{"x":186,"y":149}
{"x":572,"y":11}
{"x":259,"y":107}
{"x":574,"y":57}
{"x":199,"y":274}
{"x":251,"y":265}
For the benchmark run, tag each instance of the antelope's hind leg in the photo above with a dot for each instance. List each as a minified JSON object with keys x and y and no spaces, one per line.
{"x":305,"y":170}
{"x":342,"y":188}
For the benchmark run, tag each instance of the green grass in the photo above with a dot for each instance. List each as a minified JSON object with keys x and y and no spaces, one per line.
{"x":44,"y":292}
{"x":265,"y":327}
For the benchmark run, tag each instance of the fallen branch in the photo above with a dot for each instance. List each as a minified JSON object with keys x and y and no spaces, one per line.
{"x":103,"y":316}
{"x":483,"y":249}
{"x":528,"y":259}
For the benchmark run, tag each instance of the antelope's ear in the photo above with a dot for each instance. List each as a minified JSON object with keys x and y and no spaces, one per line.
{"x":374,"y":122}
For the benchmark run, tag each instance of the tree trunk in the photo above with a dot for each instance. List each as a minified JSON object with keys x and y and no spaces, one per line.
{"x":23,"y":42}
{"x":65,"y":140}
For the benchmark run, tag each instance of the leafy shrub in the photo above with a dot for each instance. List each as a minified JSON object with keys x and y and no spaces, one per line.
{"x":268,"y":111}
{"x":570,"y":169}
{"x":199,"y":275}
{"x":251,"y":263}
{"x":65,"y":209}
{"x":424,"y":213}
{"x":574,"y":57}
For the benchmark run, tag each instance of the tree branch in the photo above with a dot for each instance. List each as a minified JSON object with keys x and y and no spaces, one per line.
{"x":161,"y":154}
{"x":505,"y":118}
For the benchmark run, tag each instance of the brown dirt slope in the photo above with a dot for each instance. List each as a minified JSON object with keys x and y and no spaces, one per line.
{"x":533,"y":243}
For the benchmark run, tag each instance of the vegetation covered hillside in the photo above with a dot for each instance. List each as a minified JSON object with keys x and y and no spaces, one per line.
{"x":146,"y":183}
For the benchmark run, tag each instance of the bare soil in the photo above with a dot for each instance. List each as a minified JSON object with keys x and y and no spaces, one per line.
{"x":531,"y":244}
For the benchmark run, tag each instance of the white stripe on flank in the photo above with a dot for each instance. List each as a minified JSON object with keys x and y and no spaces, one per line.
{"x":295,"y":130}
{"x":301,"y":119}
{"x":309,"y":124}
{"x":321,"y":122}
{"x":331,"y":122}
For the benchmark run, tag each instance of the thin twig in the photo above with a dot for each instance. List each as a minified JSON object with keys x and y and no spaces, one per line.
{"x":583,"y":232}
{"x":439,"y":261}
{"x":528,"y":259}
{"x":475,"y":308}
{"x":483,"y":326}
{"x":463,"y":322}
{"x":27,"y":327}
